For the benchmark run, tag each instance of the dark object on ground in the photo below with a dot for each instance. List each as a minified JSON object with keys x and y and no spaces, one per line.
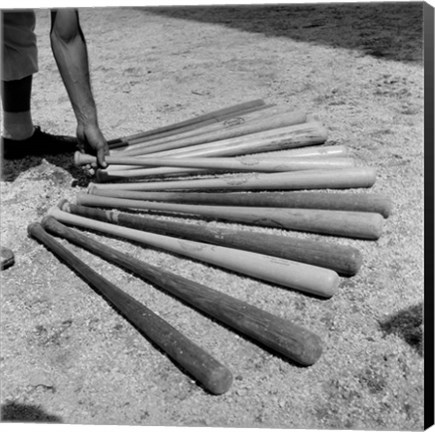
{"x":17,"y":412}
{"x":39,"y":143}
{"x":408,"y":324}
{"x":7,"y":258}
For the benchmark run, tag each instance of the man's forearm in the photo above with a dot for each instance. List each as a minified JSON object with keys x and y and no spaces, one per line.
{"x":69,"y":49}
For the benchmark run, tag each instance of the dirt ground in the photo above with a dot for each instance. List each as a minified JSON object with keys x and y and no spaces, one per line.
{"x":68,"y":357}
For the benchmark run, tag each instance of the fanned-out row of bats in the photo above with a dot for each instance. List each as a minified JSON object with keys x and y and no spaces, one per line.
{"x":251,"y":163}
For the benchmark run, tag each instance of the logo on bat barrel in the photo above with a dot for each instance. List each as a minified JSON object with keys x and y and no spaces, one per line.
{"x":234,"y":122}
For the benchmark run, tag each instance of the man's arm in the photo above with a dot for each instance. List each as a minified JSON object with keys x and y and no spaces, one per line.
{"x":69,"y":49}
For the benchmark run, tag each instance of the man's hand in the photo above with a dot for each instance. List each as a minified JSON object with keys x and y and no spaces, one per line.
{"x":91,"y":140}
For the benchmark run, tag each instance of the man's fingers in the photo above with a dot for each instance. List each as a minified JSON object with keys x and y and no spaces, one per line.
{"x":80,"y":143}
{"x":101,"y":153}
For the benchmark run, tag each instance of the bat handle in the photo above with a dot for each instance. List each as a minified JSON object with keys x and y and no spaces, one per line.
{"x":103,"y":177}
{"x":215,"y":377}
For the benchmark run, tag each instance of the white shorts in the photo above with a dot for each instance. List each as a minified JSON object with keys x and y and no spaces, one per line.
{"x":20,"y":53}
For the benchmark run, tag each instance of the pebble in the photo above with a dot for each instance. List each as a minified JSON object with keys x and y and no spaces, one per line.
{"x":41,"y":378}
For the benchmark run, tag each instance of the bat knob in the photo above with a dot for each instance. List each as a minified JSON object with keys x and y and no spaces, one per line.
{"x":63,"y":205}
{"x":91,"y":188}
{"x":219,"y":380}
{"x":32,"y":227}
{"x":83,"y":159}
{"x":77,"y":159}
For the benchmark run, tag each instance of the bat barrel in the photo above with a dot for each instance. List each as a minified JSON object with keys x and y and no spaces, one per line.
{"x":317,"y":151}
{"x":210,"y":165}
{"x":347,"y":201}
{"x":215,"y":377}
{"x":340,"y":223}
{"x":357,"y":177}
{"x":245,"y":163}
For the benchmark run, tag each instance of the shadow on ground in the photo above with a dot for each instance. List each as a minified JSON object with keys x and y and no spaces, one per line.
{"x":392,"y":31}
{"x":11,"y":169}
{"x":408,"y":324}
{"x":16,"y":412}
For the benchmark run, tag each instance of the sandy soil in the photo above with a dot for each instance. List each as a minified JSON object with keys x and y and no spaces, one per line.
{"x":68,"y":357}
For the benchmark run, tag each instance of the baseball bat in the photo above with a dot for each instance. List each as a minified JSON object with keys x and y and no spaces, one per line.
{"x":218,"y":167}
{"x":361,"y":225}
{"x":191,"y":123}
{"x":358,"y":177}
{"x":344,"y":260}
{"x":303,"y":277}
{"x":242,"y":164}
{"x":215,"y":377}
{"x":249,"y":124}
{"x":311,"y":151}
{"x":347,"y":201}
{"x":278,"y":334}
{"x":316,"y":151}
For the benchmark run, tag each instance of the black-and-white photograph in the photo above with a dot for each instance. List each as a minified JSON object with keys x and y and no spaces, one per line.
{"x":213,"y":215}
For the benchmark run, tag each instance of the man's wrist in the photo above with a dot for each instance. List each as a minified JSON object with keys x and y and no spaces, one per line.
{"x":88,"y":119}
{"x":85,"y":111}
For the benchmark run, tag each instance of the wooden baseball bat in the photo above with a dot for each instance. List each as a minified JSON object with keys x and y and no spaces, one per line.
{"x":212,"y":166}
{"x":191,"y":123}
{"x":358,"y":177}
{"x":311,"y":151}
{"x":344,"y":260}
{"x":316,"y":151}
{"x":278,"y":334}
{"x":242,"y":164}
{"x":347,"y":201}
{"x":361,"y":225}
{"x":303,"y":277}
{"x":250,"y":123}
{"x":215,"y":377}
